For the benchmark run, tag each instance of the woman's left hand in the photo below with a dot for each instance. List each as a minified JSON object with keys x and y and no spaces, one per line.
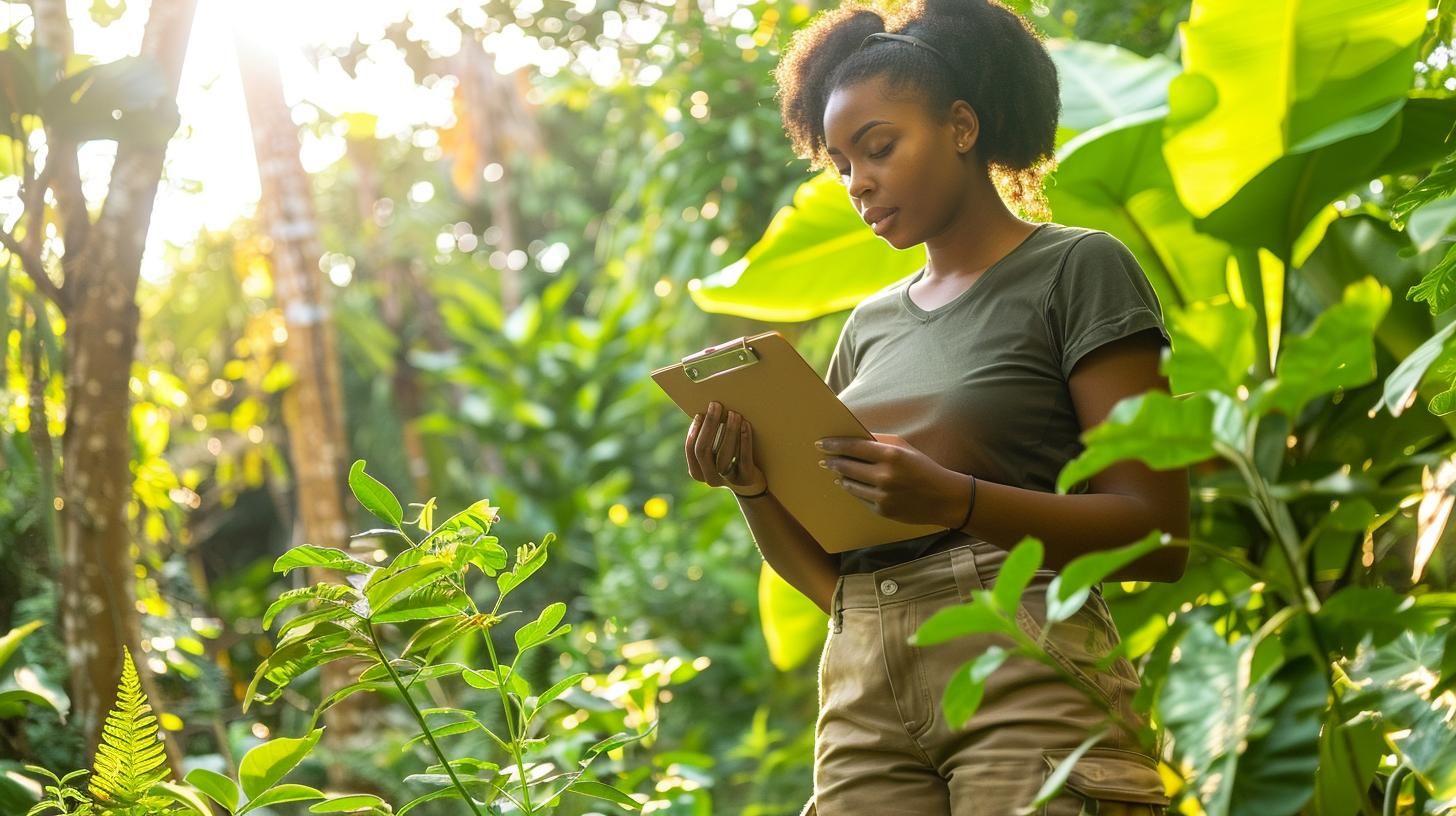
{"x":896,"y":479}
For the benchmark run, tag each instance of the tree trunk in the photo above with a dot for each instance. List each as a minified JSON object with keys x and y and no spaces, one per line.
{"x":102,"y":264}
{"x":313,"y":410}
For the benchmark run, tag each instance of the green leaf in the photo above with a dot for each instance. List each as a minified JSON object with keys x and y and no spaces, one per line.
{"x":1101,"y":82}
{"x":374,"y":496}
{"x":1248,"y":745}
{"x":960,"y":620}
{"x":793,"y":626}
{"x":1213,"y":346}
{"x":556,"y":691}
{"x":1440,"y":183}
{"x":1438,"y":287}
{"x":1058,"y":777}
{"x":1338,"y":351}
{"x":423,"y":603}
{"x":266,"y":764}
{"x":126,"y":100}
{"x":221,"y":789}
{"x":968,"y":685}
{"x":349,"y":803}
{"x":1396,"y":686}
{"x":309,"y":555}
{"x":777,"y":281}
{"x":540,"y":630}
{"x":1069,"y":590}
{"x":1402,"y":383}
{"x":279,"y":795}
{"x":1304,"y":75}
{"x":11,"y":641}
{"x":407,"y":581}
{"x":184,"y":796}
{"x":598,"y":790}
{"x":1162,"y":431}
{"x":130,"y":758}
{"x":338,"y":594}
{"x":535,"y":558}
{"x":616,"y":741}
{"x":1015,"y":573}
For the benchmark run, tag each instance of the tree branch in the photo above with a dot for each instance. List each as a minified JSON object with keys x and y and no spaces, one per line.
{"x":35,"y":268}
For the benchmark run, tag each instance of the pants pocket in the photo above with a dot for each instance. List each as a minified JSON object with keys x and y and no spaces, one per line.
{"x":1107,"y":782}
{"x":1080,"y":644}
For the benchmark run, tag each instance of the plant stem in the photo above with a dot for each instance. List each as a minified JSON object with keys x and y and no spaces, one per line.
{"x":510,"y":728}
{"x":1286,"y":536}
{"x":420,"y":718}
{"x":1392,"y":790}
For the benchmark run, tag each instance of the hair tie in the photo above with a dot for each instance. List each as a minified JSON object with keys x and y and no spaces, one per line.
{"x":915,"y":41}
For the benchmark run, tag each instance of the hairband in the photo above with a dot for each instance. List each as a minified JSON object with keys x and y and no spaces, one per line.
{"x":915,"y":41}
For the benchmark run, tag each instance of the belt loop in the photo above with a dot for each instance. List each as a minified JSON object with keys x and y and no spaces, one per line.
{"x":967,"y":577}
{"x":836,"y":614}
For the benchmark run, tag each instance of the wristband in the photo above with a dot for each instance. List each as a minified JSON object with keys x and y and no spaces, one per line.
{"x":971,"y":505}
{"x":749,"y":495}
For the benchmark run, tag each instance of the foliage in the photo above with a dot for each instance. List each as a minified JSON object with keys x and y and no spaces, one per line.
{"x":426,"y":583}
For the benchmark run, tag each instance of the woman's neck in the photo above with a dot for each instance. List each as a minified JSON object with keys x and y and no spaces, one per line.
{"x":983,"y":232}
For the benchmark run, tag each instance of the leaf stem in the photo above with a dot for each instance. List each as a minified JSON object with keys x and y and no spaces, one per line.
{"x":510,"y":727}
{"x":420,"y":718}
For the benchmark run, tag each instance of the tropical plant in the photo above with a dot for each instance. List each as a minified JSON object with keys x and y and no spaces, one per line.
{"x":427,"y":581}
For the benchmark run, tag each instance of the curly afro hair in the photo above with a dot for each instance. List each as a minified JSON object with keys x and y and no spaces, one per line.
{"x":1001,"y":68}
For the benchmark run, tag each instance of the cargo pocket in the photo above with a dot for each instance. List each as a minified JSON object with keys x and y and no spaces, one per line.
{"x":1104,"y":776}
{"x":1080,"y":645}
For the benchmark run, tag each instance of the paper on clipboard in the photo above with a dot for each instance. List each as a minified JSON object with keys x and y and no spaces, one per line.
{"x":764,"y":379}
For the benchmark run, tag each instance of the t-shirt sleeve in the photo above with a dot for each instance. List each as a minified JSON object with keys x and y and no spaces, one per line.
{"x":841,"y":362}
{"x":1099,"y":295}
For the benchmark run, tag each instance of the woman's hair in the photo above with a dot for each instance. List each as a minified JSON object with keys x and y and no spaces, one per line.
{"x":1001,"y":68}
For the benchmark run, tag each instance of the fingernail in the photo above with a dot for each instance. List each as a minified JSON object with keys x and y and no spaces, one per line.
{"x":820,"y":445}
{"x":823,"y":464}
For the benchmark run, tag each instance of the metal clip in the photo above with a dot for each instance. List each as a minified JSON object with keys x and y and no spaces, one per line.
{"x":716,"y":360}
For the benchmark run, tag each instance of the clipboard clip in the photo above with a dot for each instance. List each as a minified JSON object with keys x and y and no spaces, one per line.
{"x":715,"y":360}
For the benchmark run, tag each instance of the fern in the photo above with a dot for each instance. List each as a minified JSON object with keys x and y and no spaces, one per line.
{"x":131,"y":757}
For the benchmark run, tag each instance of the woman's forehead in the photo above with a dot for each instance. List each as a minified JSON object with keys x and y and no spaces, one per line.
{"x":851,"y":107}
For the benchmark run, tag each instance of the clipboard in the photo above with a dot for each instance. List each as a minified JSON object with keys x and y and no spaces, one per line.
{"x":764,"y":379}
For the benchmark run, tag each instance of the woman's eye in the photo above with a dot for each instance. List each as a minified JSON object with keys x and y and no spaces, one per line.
{"x":884,"y":152}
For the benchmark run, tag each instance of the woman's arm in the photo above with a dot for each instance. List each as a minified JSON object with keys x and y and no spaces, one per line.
{"x":1124,"y":502}
{"x":790,"y":550}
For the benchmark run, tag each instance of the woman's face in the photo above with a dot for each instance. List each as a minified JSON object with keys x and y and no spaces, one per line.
{"x":902,"y":169}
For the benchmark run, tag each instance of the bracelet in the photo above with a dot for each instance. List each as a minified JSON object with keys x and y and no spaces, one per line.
{"x":971,"y":505}
{"x":749,"y":496}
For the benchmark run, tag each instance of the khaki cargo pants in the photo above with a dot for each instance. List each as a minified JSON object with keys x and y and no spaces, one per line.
{"x":882,"y":745}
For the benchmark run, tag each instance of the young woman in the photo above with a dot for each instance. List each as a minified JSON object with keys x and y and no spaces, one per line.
{"x":978,"y":374}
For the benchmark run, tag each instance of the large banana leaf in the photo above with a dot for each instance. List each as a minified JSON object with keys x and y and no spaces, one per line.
{"x":1102,"y":82}
{"x":1264,"y":79}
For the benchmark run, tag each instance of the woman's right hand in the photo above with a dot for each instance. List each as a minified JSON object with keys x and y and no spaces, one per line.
{"x":732,"y":464}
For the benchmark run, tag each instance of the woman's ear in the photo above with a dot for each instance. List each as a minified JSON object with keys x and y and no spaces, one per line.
{"x":965,"y":126}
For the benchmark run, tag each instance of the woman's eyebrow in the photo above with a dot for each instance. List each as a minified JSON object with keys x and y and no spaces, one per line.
{"x":861,"y":132}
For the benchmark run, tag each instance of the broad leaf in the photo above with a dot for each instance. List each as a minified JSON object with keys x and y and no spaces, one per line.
{"x":280,"y":795}
{"x":1214,"y":346}
{"x":1015,"y":573}
{"x":265,"y":765}
{"x":309,"y":555}
{"x":794,"y":627}
{"x":375,"y":497}
{"x":1159,"y":430}
{"x":1266,"y":78}
{"x":1069,"y":590}
{"x":960,"y":620}
{"x":222,"y":790}
{"x":968,"y":685}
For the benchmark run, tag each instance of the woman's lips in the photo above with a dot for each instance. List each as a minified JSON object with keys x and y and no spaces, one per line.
{"x":883,"y":225}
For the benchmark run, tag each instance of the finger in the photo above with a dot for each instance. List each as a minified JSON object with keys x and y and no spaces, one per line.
{"x":863,"y":449}
{"x":862,"y":472}
{"x":703,"y":450}
{"x":869,"y":494}
{"x":695,"y":470}
{"x":729,"y":447}
{"x":745,"y":448}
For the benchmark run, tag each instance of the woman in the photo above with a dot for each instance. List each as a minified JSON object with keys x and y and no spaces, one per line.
{"x":978,"y":374}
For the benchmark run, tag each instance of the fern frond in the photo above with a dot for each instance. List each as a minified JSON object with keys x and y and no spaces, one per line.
{"x":131,"y":757}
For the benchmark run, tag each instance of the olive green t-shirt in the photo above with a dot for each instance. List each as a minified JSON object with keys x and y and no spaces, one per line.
{"x":979,"y":384}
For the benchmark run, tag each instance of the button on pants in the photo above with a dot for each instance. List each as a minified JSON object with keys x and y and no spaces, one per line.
{"x":882,"y":745}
